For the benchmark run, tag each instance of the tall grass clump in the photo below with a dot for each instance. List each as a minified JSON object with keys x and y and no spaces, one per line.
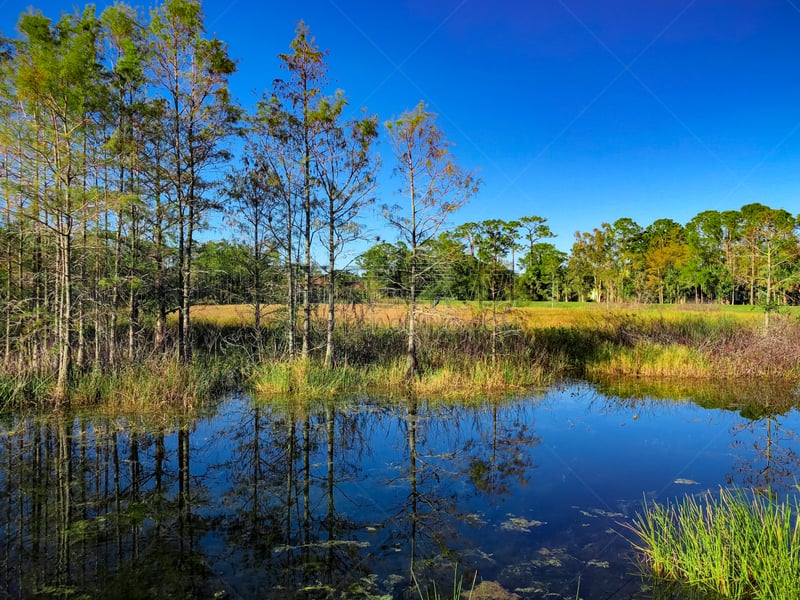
{"x":739,"y":545}
{"x":154,"y":384}
{"x":20,"y":390}
{"x":647,"y":359}
{"x":308,"y":377}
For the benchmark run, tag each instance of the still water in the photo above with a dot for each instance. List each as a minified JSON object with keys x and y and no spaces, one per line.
{"x":347,"y":499}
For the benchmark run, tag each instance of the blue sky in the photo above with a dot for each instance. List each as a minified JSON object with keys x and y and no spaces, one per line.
{"x":579,"y":111}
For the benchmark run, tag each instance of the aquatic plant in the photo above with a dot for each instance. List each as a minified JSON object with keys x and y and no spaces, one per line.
{"x":739,"y":545}
{"x":458,"y":588}
{"x":24,"y":389}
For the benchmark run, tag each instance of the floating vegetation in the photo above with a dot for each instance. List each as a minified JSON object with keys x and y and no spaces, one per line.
{"x":489,"y":590}
{"x":520,"y":524}
{"x":550,"y":558}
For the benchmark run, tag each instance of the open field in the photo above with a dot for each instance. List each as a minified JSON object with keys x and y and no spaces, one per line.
{"x":529,"y":315}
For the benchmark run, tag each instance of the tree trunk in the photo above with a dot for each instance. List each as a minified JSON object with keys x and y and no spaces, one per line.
{"x":187,"y":288}
{"x":257,"y":286}
{"x":331,"y":289}
{"x":113,"y":350}
{"x":307,"y":279}
{"x":65,"y":315}
{"x":290,"y":331}
{"x":412,"y":367}
{"x":133,"y":300}
{"x":160,"y":332}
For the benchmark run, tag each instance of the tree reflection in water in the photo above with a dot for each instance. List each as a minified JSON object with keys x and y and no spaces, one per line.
{"x":354,"y":498}
{"x":87,"y":514}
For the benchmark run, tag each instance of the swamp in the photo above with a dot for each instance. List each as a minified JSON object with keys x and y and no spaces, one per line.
{"x":249,"y":350}
{"x":527,"y":496}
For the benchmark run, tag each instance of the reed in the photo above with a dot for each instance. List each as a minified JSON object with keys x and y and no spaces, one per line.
{"x":26,"y":389}
{"x":738,"y":545}
{"x":452,"y":381}
{"x":153,"y":384}
{"x":536,"y":345}
{"x":458,"y":592}
{"x":308,"y":378}
{"x":647,"y":359}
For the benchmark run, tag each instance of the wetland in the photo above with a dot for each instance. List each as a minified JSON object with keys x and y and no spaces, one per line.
{"x":371,"y":496}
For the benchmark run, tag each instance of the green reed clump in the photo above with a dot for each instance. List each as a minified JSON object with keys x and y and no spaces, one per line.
{"x":647,"y":359}
{"x":24,"y":389}
{"x":154,"y":383}
{"x":738,"y":545}
{"x":308,"y":377}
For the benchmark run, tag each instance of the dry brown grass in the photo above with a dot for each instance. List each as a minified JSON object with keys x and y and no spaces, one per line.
{"x":463,"y":313}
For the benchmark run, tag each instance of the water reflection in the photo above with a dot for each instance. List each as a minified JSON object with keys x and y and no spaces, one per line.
{"x":94,"y":505}
{"x":353,"y":499}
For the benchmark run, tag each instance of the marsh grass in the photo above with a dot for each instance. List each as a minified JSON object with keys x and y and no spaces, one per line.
{"x":648,"y":359}
{"x":696,"y":347}
{"x":448,"y":382}
{"x":526,"y":315}
{"x":309,"y":378}
{"x":24,"y":389}
{"x":455,"y":357}
{"x":738,"y":545}
{"x":536,"y":345}
{"x":433,"y":593}
{"x":153,"y":384}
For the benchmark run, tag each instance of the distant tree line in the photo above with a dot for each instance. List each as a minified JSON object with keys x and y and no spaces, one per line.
{"x":746,"y":256}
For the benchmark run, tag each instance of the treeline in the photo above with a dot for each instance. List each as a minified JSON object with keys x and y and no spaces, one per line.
{"x":116,"y":146}
{"x":746,"y":256}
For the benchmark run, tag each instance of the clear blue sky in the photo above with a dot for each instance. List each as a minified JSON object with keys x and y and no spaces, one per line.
{"x":579,"y":111}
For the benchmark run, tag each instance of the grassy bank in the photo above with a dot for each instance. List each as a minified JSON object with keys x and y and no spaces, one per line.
{"x":651,"y":345}
{"x":719,"y":347}
{"x":455,"y":361}
{"x":148,"y":386}
{"x":537,"y":345}
{"x":735,"y":545}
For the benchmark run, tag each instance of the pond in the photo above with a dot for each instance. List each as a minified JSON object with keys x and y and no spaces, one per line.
{"x":357,"y":498}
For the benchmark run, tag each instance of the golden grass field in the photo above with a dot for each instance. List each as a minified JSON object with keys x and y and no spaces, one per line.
{"x":539,"y":315}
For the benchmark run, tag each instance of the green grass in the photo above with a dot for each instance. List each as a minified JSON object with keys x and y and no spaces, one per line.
{"x":647,"y":359}
{"x":536,"y":345}
{"x":153,"y":385}
{"x":450,"y":381}
{"x":433,"y":593}
{"x":737,"y":545}
{"x":24,"y":390}
{"x":455,"y":357}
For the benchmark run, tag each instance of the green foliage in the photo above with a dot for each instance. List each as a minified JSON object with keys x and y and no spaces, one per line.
{"x":385,"y":268}
{"x":738,"y":545}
